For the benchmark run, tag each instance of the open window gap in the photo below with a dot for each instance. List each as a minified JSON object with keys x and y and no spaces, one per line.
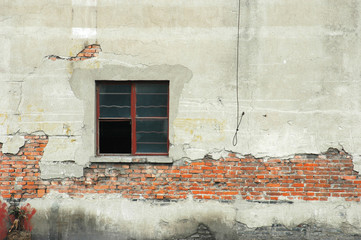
{"x":115,"y":137}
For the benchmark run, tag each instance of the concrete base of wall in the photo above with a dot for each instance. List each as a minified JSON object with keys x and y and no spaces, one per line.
{"x":110,"y":217}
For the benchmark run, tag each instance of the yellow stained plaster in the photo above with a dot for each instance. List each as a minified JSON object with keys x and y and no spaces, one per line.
{"x":75,"y":49}
{"x":93,"y":64}
{"x":67,"y":129}
{"x":31,"y":109}
{"x":3,"y":118}
{"x":190,"y":126}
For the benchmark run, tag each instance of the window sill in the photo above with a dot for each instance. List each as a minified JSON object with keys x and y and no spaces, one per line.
{"x":131,"y":159}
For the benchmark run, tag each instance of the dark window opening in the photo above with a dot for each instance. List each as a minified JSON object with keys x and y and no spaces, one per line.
{"x":115,"y":137}
{"x":132,"y":117}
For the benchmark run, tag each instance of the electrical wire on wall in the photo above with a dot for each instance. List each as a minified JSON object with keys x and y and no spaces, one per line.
{"x":239,"y":118}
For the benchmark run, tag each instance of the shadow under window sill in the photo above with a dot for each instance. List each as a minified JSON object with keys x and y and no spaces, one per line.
{"x":131,"y":159}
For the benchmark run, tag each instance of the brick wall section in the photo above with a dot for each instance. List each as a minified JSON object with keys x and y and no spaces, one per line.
{"x":89,"y":51}
{"x":304,"y":177}
{"x":20,"y":174}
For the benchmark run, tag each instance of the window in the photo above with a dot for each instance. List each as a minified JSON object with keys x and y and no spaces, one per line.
{"x":132,"y":117}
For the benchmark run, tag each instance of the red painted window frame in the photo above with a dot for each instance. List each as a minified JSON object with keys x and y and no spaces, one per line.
{"x":133,"y":117}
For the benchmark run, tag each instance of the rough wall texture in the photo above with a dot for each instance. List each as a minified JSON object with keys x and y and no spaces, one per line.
{"x":20,"y":175}
{"x":226,"y":181}
{"x":304,"y":177}
{"x":299,"y":86}
{"x":299,"y":76}
{"x":89,"y":51}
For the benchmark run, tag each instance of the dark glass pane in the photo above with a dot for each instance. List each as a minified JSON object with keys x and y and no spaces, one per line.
{"x":152,"y":137}
{"x":152,"y":112}
{"x":152,"y":100}
{"x":114,"y":88}
{"x":151,"y":148}
{"x":152,"y":88}
{"x":152,"y":105}
{"x":114,"y":105}
{"x":116,"y":99}
{"x":112,"y":112}
{"x":115,"y":137}
{"x":152,"y":126}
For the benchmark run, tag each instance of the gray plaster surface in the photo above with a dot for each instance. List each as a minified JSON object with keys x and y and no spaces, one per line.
{"x":160,"y":220}
{"x":299,"y":86}
{"x":299,"y":72}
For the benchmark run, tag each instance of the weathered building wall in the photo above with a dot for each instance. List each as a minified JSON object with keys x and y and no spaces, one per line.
{"x":231,"y":197}
{"x":299,"y":75}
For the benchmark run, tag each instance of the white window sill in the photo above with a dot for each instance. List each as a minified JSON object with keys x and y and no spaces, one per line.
{"x":131,"y":159}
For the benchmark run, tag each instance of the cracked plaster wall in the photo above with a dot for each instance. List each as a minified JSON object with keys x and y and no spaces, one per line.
{"x":299,"y":73}
{"x":299,"y":88}
{"x":94,"y":217}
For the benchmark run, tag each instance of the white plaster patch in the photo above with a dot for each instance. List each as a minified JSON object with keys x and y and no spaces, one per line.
{"x":85,"y":3}
{"x":61,"y":149}
{"x":195,"y":153}
{"x":12,"y":144}
{"x":84,"y":32}
{"x":5,"y":56}
{"x":357,"y":162}
{"x":60,"y":170}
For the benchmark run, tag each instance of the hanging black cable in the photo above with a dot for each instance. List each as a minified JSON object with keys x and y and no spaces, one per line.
{"x":239,"y":118}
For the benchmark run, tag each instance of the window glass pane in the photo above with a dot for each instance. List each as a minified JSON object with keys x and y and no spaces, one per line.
{"x":114,"y":105}
{"x":152,"y":104}
{"x":152,"y":148}
{"x":152,"y":111}
{"x":152,"y":100}
{"x":151,"y":137}
{"x":152,"y":126}
{"x":113,"y":112}
{"x":152,"y":88}
{"x":114,"y":88}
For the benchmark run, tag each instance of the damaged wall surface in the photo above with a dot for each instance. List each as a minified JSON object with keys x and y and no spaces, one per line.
{"x":228,"y":198}
{"x":298,"y":143}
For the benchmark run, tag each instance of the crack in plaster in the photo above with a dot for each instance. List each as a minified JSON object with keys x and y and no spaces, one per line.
{"x":129,"y":65}
{"x":20,"y":100}
{"x":12,"y":143}
{"x":121,"y":54}
{"x":5,"y":19}
{"x":21,"y":89}
{"x":89,"y":51}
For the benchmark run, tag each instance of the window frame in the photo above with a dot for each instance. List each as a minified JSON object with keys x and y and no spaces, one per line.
{"x":133,"y":118}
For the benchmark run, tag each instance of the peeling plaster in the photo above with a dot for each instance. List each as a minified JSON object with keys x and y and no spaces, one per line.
{"x":51,"y":170}
{"x":304,"y":100}
{"x":12,"y":144}
{"x":299,"y":85}
{"x":65,"y":146}
{"x":82,"y":83}
{"x":88,"y":52}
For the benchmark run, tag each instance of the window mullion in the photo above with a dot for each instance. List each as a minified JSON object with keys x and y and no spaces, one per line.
{"x":133,"y":118}
{"x":168,"y":120}
{"x":98,"y":117}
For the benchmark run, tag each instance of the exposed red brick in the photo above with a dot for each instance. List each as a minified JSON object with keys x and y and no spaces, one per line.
{"x":317,"y":179}
{"x":89,"y":51}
